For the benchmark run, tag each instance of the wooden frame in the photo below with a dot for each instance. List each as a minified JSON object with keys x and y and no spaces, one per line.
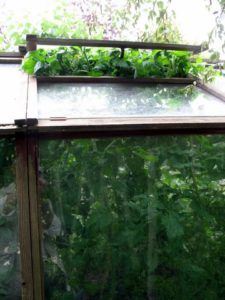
{"x":29,"y":216}
{"x":108,"y":79}
{"x":148,"y":125}
{"x":34,"y":40}
{"x":28,"y":130}
{"x":22,"y":180}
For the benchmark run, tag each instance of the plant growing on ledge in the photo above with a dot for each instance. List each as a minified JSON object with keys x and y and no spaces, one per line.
{"x":80,"y":61}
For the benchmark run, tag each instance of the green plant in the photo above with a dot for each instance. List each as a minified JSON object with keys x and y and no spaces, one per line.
{"x":101,"y":62}
{"x":140,"y":218}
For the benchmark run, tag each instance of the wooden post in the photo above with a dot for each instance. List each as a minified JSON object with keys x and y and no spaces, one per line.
{"x":31,"y":42}
{"x":24,"y":217}
{"x":35,"y":216}
{"x":22,"y":50}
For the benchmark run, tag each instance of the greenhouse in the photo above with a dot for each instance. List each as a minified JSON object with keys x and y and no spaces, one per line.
{"x":112,"y":183}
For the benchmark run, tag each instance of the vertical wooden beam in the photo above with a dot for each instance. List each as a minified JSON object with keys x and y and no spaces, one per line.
{"x":35,"y":216}
{"x":24,"y":216}
{"x":31,"y":42}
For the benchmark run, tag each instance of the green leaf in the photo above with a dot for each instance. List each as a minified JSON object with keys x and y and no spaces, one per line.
{"x":172,"y":225}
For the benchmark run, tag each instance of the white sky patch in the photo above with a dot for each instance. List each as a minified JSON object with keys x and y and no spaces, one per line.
{"x":194,"y":20}
{"x":33,"y":7}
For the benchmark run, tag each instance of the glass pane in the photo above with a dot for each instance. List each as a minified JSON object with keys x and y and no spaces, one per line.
{"x":10,"y":77}
{"x":134,"y":218}
{"x":101,"y":100}
{"x":10,"y":277}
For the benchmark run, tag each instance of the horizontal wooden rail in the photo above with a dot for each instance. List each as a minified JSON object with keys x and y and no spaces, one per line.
{"x":89,"y":127}
{"x":10,"y":60}
{"x":118,"y":80}
{"x":10,"y":55}
{"x":34,"y":40}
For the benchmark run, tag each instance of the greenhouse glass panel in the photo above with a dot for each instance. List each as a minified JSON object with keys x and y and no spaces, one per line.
{"x":10,"y":277}
{"x":77,"y":100}
{"x":10,"y":80}
{"x":134,"y":218}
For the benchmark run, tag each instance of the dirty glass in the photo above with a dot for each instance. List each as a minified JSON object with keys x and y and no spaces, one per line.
{"x":77,"y":100}
{"x":10,"y":280}
{"x":134,"y":218}
{"x":10,"y":82}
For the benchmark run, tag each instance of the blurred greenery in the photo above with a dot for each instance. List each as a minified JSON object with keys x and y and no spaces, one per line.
{"x":134,"y":218}
{"x":10,"y":274}
{"x":142,"y":20}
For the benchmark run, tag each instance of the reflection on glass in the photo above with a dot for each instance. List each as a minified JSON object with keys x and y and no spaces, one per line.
{"x":10,"y":80}
{"x":134,"y":218}
{"x":99,"y":100}
{"x":10,"y":278}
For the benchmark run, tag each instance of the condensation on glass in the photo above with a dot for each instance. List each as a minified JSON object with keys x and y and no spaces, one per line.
{"x":10,"y":82}
{"x":10,"y":272}
{"x":134,"y":218}
{"x":77,"y":100}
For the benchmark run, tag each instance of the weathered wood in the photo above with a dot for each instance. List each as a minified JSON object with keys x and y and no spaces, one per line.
{"x":31,"y":40}
{"x":10,"y":60}
{"x":35,"y":216}
{"x":22,"y":50}
{"x":9,"y":130}
{"x":211,"y":91}
{"x":108,"y":79}
{"x":11,"y":54}
{"x":24,"y":217}
{"x":145,"y":125}
{"x":111,"y":44}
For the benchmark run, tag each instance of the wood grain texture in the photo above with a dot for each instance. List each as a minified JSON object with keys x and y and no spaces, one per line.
{"x":24,"y":217}
{"x":35,"y":216}
{"x":145,"y":126}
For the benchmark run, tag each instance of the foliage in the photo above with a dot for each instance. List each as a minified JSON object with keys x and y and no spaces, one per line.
{"x":140,"y":218}
{"x":94,"y":19}
{"x":101,"y":62}
{"x":10,"y":274}
{"x":217,"y":34}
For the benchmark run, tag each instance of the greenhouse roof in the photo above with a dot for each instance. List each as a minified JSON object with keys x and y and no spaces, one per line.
{"x":79,"y":103}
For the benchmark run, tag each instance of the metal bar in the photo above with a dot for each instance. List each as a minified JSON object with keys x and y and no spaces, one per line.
{"x":33,"y":41}
{"x":105,"y":79}
{"x":24,"y":217}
